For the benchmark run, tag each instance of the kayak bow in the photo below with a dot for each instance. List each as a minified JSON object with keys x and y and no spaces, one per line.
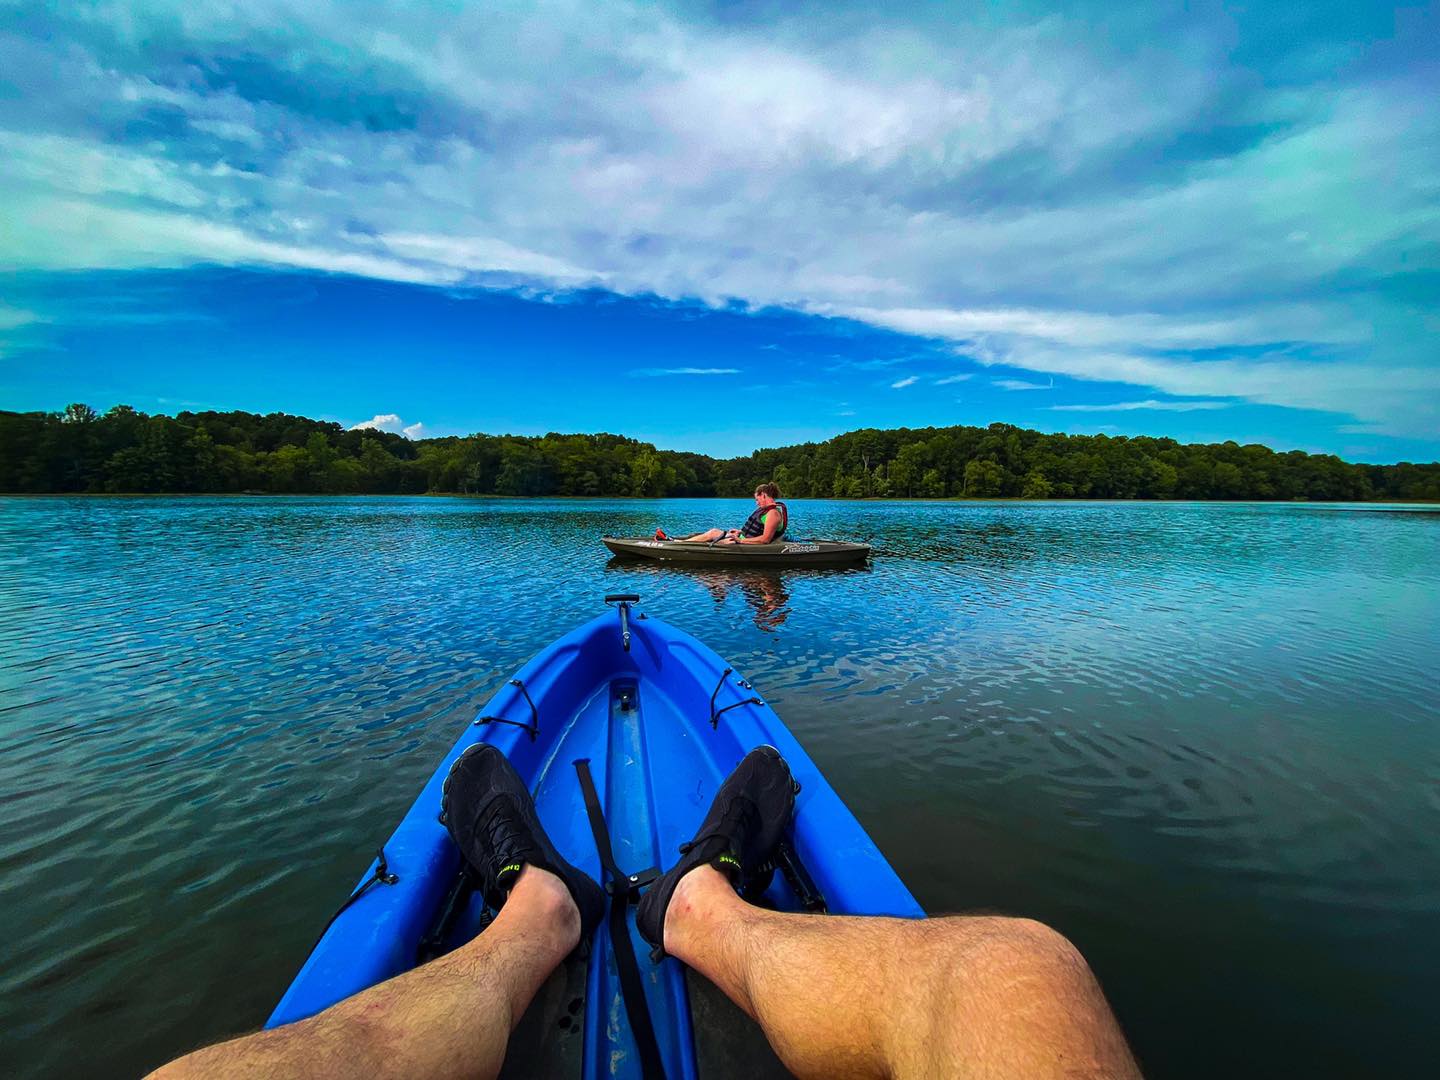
{"x":661,"y":721}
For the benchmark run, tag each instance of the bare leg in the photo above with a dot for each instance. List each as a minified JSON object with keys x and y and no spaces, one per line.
{"x":841,"y":997}
{"x":451,"y":1017}
{"x":705,"y":537}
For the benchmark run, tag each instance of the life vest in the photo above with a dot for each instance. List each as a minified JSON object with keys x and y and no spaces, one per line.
{"x":755,"y":527}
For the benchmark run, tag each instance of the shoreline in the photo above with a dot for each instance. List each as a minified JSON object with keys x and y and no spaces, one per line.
{"x":877,"y":500}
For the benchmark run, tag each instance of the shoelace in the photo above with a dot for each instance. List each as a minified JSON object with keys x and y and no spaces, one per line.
{"x":503,"y":836}
{"x":738,"y":824}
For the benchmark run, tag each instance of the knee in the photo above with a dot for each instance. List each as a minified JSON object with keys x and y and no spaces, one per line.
{"x":1035,"y":938}
{"x":1018,"y":989}
{"x":999,"y":952}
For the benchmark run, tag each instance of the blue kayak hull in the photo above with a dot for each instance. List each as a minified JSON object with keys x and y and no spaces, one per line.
{"x":642,"y":718}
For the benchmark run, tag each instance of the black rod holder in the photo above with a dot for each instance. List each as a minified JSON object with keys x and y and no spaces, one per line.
{"x":799,"y":879}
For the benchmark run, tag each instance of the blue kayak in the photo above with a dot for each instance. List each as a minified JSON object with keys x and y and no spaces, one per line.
{"x":659,"y":721}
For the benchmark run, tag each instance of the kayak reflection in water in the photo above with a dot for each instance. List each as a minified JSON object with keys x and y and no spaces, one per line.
{"x":765,"y":526}
{"x":765,"y":592}
{"x":964,"y":995}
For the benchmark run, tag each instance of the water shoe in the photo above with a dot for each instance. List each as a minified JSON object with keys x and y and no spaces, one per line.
{"x":738,"y":837}
{"x":491,"y":817}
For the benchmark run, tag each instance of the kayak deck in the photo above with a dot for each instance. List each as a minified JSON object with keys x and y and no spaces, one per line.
{"x":796,"y":553}
{"x":642,"y":718}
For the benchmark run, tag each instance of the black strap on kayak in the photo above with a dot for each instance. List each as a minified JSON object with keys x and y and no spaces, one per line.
{"x":532,"y":728}
{"x":381,"y":876}
{"x":624,"y":889}
{"x":715,"y":713}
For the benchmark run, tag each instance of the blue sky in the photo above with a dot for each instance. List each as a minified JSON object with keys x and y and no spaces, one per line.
{"x":730,"y":226}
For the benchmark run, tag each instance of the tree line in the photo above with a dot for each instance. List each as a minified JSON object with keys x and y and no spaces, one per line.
{"x":124,"y":450}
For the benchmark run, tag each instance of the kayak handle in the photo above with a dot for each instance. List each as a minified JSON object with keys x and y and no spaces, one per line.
{"x":624,"y":599}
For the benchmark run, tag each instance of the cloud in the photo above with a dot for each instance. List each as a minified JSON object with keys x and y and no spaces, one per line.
{"x":900,"y":384}
{"x":660,"y":372}
{"x":1406,"y":396}
{"x":11,"y":318}
{"x":1235,"y":207}
{"x":1162,"y":406}
{"x":951,"y":379}
{"x":1021,"y":384}
{"x":478,"y":254}
{"x":1088,"y":329}
{"x":392,"y":423}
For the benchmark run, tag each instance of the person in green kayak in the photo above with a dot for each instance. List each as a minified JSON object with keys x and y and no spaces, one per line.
{"x":961,"y":995}
{"x":765,"y":526}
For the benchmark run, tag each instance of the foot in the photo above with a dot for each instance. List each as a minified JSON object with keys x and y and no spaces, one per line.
{"x":738,"y":836}
{"x":660,"y":535}
{"x":491,"y":817}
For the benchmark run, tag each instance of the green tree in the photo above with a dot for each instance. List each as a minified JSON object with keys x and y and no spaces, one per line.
{"x":983,"y":479}
{"x":646,"y":475}
{"x":1036,"y":486}
{"x":203,"y":472}
{"x":289,"y":469}
{"x":125,"y":450}
{"x":377,"y":467}
{"x":1227,"y":482}
{"x":153,"y":463}
{"x":1162,"y":479}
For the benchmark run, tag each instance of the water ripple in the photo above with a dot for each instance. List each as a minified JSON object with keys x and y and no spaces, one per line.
{"x":1199,"y":739}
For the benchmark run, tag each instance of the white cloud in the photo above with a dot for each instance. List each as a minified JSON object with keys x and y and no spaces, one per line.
{"x":900,"y":384}
{"x":1162,"y":406}
{"x":659,"y":372}
{"x":485,"y":254}
{"x":1021,"y":384}
{"x":12,"y":317}
{"x":379,"y":422}
{"x":392,"y":423}
{"x":951,"y":379}
{"x":1405,"y":396}
{"x":86,"y":235}
{"x":1081,"y":328}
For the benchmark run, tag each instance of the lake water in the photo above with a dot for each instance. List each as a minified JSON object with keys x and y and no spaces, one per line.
{"x":1201,"y":740}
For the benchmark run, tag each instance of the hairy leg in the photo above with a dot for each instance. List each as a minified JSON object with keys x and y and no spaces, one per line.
{"x":451,"y":1017}
{"x":841,"y":997}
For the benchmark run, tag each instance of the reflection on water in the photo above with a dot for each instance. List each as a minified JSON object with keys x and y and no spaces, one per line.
{"x":1201,"y":740}
{"x":763,"y":588}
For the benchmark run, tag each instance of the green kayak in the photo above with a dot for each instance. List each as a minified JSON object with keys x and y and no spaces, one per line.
{"x":782,"y":553}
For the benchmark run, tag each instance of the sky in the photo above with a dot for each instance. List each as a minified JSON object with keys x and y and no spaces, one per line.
{"x":719,"y":227}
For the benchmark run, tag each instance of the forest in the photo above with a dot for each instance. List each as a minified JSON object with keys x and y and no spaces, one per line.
{"x":124,"y":451}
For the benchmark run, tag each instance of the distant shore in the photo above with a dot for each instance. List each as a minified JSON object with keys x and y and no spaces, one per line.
{"x":958,"y":500}
{"x":126,"y":451}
